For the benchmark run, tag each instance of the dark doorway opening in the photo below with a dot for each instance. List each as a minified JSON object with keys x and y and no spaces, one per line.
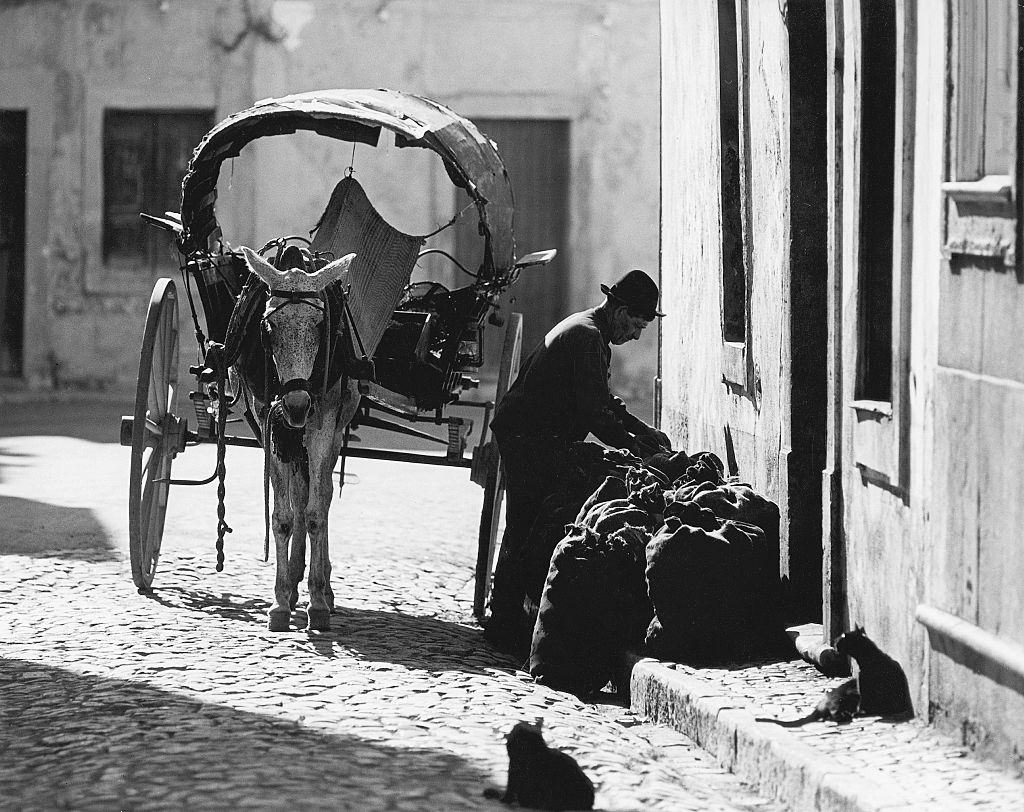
{"x":808,"y":302}
{"x":13,"y":174}
{"x":536,"y":155}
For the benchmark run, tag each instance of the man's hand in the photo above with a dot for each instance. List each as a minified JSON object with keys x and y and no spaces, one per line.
{"x":651,"y":438}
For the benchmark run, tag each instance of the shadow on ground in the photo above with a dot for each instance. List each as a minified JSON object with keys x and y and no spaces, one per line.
{"x":220,"y":604}
{"x":74,"y":741}
{"x":413,"y":641}
{"x":52,"y":531}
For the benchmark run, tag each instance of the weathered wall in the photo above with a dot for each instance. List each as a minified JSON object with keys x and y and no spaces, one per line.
{"x":949,"y":536}
{"x":883,"y":555}
{"x":594,"y":64}
{"x":73,"y":60}
{"x":928,"y":487}
{"x":698,"y":406}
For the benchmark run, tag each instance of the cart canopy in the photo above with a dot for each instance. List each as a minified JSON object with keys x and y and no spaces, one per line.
{"x":358,"y":116}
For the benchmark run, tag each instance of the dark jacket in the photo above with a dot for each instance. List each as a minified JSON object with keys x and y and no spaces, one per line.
{"x":562,"y":391}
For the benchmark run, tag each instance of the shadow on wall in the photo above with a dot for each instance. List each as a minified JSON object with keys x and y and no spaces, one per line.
{"x":97,"y":420}
{"x":123,"y":744}
{"x":52,"y":531}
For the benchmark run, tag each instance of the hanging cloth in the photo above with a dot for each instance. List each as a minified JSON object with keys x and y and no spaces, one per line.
{"x":384,"y":260}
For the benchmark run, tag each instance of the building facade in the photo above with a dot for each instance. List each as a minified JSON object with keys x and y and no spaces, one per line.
{"x":841,"y":224}
{"x":105,"y":100}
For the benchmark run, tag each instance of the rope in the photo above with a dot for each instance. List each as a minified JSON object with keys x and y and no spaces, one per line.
{"x":222,"y":417}
{"x":451,"y":222}
{"x":200,"y":337}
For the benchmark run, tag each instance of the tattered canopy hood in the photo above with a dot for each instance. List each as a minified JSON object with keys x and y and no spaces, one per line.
{"x":358,"y":116}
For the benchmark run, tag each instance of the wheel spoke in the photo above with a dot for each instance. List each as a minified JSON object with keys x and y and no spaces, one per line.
{"x":158,"y":375}
{"x":166,"y":347}
{"x":147,"y":459}
{"x":153,"y":428}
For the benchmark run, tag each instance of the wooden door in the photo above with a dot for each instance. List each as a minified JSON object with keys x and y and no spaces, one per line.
{"x":12,"y":240}
{"x":536,"y":156}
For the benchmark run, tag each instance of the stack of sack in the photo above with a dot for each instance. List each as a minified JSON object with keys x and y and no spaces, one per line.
{"x":667,"y":556}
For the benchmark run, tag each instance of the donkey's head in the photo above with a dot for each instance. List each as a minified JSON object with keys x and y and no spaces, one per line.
{"x":294,"y":323}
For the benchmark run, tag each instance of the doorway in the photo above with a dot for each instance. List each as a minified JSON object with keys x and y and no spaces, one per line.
{"x":808,"y":327}
{"x":536,"y":156}
{"x":13,"y":163}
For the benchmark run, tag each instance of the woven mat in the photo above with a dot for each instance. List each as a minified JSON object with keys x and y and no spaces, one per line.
{"x":384,"y":258}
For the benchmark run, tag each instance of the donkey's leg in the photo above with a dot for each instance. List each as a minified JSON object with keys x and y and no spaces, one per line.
{"x":299,"y":496}
{"x":322,"y":447}
{"x":282,"y":521}
{"x":321,"y":464}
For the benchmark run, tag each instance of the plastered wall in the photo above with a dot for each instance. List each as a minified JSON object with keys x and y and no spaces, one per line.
{"x":592,"y":63}
{"x":698,"y":405}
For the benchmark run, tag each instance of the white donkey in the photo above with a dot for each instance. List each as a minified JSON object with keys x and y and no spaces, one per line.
{"x":294,"y":323}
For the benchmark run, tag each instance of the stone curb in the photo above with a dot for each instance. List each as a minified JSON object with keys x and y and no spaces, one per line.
{"x":769,"y":758}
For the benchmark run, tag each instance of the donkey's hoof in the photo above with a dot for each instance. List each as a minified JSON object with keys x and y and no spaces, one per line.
{"x":279,"y":621}
{"x":319,"y":620}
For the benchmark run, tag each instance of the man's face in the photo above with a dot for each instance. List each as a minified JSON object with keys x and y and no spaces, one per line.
{"x":626,"y":327}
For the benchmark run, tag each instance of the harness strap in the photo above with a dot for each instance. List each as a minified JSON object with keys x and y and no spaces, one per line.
{"x":295,"y":385}
{"x":294,"y":294}
{"x":267,"y":358}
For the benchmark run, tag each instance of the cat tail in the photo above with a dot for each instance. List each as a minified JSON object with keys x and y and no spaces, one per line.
{"x":803,"y":720}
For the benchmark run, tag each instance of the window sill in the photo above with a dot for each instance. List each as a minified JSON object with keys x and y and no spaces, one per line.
{"x":875,"y":446}
{"x":995,"y":189}
{"x":734,"y":363}
{"x":868,"y":409}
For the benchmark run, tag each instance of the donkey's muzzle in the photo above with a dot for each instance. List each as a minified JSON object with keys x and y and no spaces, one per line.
{"x":296,"y":403}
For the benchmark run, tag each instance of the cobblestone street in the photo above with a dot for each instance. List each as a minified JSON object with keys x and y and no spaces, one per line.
{"x":182,"y":699}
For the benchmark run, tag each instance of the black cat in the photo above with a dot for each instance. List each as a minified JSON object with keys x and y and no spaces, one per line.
{"x":838,"y":705}
{"x":884,"y":690}
{"x":540,"y":777}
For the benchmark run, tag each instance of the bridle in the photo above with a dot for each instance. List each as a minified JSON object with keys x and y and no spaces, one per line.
{"x":318,"y":301}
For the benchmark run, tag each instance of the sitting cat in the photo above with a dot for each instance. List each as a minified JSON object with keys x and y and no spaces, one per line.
{"x":884,"y":690}
{"x":837,"y":705}
{"x":540,"y":777}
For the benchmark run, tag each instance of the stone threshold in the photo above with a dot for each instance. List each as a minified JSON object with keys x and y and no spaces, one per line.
{"x":871,"y":764}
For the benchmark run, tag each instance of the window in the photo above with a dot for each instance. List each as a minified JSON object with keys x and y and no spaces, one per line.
{"x":885,"y":123}
{"x":734,"y":276}
{"x":877,"y":191}
{"x":145,"y":156}
{"x":985,"y":128}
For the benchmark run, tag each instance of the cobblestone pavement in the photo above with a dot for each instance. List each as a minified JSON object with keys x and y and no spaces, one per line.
{"x":182,"y":699}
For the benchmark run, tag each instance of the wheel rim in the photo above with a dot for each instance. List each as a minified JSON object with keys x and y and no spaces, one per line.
{"x":494,"y":486}
{"x":153,"y":432}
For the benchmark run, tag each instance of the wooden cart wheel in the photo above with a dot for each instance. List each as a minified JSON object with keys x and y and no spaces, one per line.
{"x":157,"y":434}
{"x":494,"y":485}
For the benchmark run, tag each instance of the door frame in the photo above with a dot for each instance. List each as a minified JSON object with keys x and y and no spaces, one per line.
{"x":33,"y":90}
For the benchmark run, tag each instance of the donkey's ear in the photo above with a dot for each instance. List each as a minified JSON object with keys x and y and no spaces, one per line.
{"x":332,"y":272}
{"x":858,"y":629}
{"x":259,"y":266}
